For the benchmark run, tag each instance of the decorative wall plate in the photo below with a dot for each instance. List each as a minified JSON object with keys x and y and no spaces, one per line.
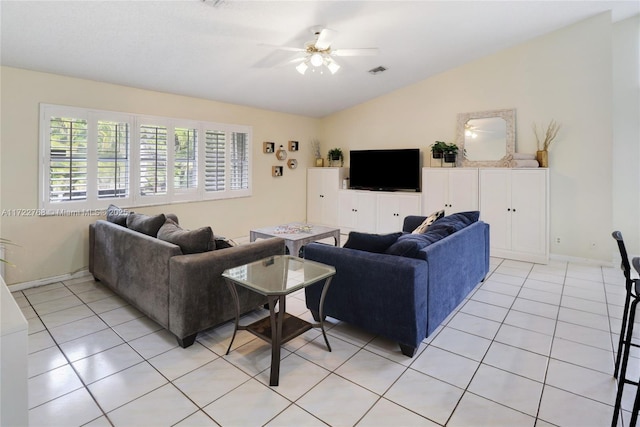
{"x":292,"y":163}
{"x":281,"y":154}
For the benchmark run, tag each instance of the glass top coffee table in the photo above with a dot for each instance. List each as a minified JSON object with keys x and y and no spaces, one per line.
{"x":276,"y":277}
{"x":296,"y":234}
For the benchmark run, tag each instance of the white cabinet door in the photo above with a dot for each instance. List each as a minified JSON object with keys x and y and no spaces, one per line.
{"x":529,"y":212}
{"x":463,"y":190}
{"x":357,"y":210}
{"x":435,"y":189}
{"x":454,"y":190}
{"x":323,"y":185}
{"x":392,"y":208}
{"x":514,"y":203}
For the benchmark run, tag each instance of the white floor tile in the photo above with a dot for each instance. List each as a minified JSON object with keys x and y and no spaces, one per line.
{"x":446,"y":366}
{"x":120,"y":388}
{"x":90,"y":344}
{"x":502,"y":288}
{"x":163,"y":406}
{"x":62,"y":317}
{"x":540,"y":285}
{"x":583,"y":381}
{"x":474,"y":325}
{"x":297,"y":376}
{"x":583,"y":318}
{"x":108,"y":362}
{"x":180,"y":361}
{"x":584,"y":305}
{"x":231,"y":409}
{"x":540,"y":295}
{"x":517,"y":361}
{"x":583,"y":355}
{"x":49,"y":295}
{"x":295,"y":416}
{"x":523,"y":320}
{"x":39,"y":341}
{"x":53,"y":305}
{"x":474,"y":411}
{"x":154,"y":344}
{"x":584,"y":335}
{"x":505,"y":278}
{"x":385,"y":413}
{"x":525,"y":339}
{"x":461,"y":343}
{"x":487,"y":311}
{"x":425,"y":395}
{"x":358,"y":369}
{"x":513,"y":391}
{"x":51,"y":385}
{"x":353,"y":401}
{"x":316,"y":352}
{"x":211,"y":381}
{"x":77,"y":329}
{"x":535,"y":307}
{"x":567,"y":409}
{"x":73,"y":409}
{"x":494,"y":298}
{"x":45,"y":360}
{"x":107,"y":304}
{"x":120,"y":315}
{"x":197,"y":419}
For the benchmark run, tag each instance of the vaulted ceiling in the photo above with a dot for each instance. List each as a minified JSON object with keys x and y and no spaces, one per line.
{"x":226,"y":50}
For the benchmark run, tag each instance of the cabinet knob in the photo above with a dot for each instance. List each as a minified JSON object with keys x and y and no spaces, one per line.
{"x":514,"y":209}
{"x":508,"y":209}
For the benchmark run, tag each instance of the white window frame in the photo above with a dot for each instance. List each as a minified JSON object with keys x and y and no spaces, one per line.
{"x":173,"y":195}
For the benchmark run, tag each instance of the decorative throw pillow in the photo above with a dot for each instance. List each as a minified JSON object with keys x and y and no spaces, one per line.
{"x":457,"y":221}
{"x":190,"y":241}
{"x":117,"y":215}
{"x":146,"y":224}
{"x":428,"y":221}
{"x":377,"y":243}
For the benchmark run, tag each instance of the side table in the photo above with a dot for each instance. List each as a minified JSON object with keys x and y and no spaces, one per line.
{"x":276,"y":277}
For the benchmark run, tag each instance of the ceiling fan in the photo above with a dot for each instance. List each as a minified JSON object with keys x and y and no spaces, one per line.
{"x":318,"y":52}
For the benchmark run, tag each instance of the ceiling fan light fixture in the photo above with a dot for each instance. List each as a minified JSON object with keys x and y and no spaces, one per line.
{"x":316,"y":59}
{"x":302,"y":67}
{"x":333,"y":66}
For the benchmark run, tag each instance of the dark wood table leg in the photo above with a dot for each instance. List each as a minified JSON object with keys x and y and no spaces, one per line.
{"x":276,"y":336}
{"x":325,"y":288}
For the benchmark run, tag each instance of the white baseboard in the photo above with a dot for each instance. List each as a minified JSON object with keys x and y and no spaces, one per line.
{"x":578,"y":260}
{"x":48,"y":280}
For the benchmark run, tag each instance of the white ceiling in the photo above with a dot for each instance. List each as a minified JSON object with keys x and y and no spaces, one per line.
{"x":216,"y":49}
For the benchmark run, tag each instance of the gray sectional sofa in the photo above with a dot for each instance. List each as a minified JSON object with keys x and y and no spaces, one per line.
{"x":403,"y":285}
{"x":183,"y":293}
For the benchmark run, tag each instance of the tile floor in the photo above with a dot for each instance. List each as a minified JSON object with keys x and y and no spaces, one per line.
{"x":532,"y":345}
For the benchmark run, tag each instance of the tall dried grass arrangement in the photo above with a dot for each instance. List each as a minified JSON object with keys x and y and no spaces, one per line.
{"x":549,"y":135}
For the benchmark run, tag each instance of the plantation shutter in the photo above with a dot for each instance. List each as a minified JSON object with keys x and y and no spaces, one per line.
{"x":185,"y":169}
{"x":215,"y":142}
{"x":113,"y":159}
{"x":153,"y":160}
{"x":67,"y":159}
{"x":239,"y":161}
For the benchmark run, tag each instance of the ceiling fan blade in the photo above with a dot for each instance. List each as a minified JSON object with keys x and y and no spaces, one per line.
{"x":325,"y":38}
{"x":286,"y":48}
{"x":355,"y":52}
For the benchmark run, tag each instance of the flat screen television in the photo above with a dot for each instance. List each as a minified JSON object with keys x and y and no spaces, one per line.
{"x":385,"y":170}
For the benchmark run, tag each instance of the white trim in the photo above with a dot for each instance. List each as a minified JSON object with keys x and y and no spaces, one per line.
{"x":578,"y":260}
{"x":48,"y":280}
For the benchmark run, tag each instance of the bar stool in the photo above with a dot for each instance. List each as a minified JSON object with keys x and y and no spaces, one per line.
{"x":627,"y":344}
{"x":626,"y":270}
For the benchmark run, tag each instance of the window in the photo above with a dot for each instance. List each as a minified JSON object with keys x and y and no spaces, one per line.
{"x":92,"y":158}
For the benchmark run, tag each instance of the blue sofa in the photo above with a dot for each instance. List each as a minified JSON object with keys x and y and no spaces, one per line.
{"x":404,"y":291}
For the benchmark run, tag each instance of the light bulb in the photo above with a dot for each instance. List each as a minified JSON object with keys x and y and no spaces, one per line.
{"x":316,"y":60}
{"x":333,"y":66}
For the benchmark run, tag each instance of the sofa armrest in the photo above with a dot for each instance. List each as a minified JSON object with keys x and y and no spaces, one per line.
{"x":378,"y":292}
{"x":199,"y":297}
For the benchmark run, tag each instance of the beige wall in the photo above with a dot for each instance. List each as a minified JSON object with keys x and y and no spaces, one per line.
{"x":52,"y":246}
{"x":626,"y":132}
{"x":566,"y":76}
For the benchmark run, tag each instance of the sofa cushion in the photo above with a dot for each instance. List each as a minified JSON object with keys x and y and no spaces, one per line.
{"x":117,"y":215}
{"x":409,"y":244}
{"x":190,"y":241}
{"x":377,"y":243}
{"x":428,"y":221}
{"x":457,"y":221}
{"x":146,"y":224}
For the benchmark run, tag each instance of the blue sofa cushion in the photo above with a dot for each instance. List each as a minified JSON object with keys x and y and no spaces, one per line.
{"x":376,"y":243}
{"x":409,"y":245}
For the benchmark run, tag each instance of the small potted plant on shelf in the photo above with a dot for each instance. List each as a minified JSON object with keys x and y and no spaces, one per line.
{"x":450,"y":153}
{"x":334,"y":155}
{"x":437,"y":149}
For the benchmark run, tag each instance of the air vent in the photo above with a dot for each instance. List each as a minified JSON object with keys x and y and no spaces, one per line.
{"x":377,"y":70}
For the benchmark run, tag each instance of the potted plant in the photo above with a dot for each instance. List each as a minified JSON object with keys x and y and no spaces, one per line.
{"x":335,"y":155}
{"x":450,"y":153}
{"x":437,"y":149}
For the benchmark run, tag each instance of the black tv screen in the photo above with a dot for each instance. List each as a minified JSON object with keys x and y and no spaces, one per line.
{"x":385,"y":170}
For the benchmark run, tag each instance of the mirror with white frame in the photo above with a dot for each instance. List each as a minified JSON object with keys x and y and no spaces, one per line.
{"x":486,"y":138}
